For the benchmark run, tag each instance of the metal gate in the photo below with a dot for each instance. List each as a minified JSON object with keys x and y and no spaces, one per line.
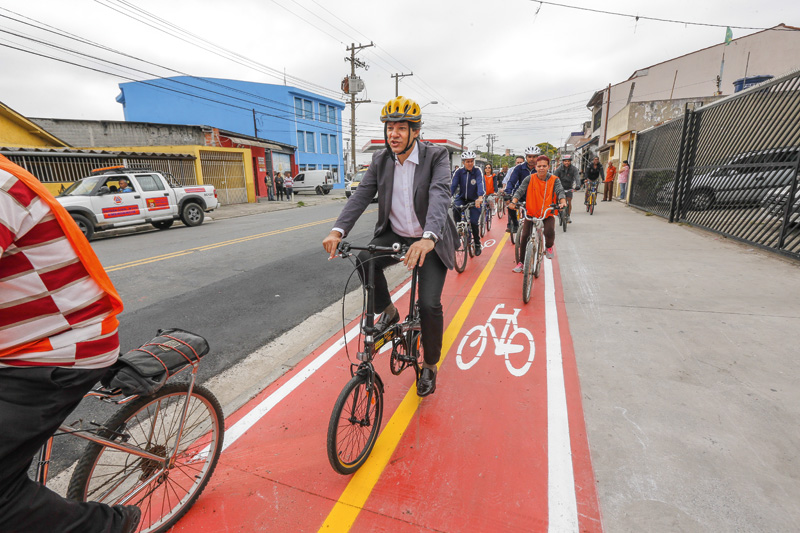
{"x":226,"y":172}
{"x":730,"y":167}
{"x":69,"y":166}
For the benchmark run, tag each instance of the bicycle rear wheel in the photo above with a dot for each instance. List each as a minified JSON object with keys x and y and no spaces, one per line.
{"x":517,"y":244}
{"x":355,"y":423}
{"x":461,"y":251}
{"x":163,"y":493}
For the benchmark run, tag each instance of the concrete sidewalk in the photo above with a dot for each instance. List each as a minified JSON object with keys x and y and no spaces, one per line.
{"x":686,"y":348}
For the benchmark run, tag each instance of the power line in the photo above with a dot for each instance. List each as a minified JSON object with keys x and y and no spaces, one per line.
{"x":642,"y":17}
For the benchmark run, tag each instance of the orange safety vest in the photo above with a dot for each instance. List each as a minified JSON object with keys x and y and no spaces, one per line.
{"x":538,"y":191}
{"x":79,"y":243}
{"x":490,"y":184}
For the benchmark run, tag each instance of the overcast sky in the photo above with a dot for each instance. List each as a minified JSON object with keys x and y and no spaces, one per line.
{"x":522,"y":75}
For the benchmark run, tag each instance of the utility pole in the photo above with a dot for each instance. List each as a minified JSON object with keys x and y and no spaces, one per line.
{"x":490,"y":138}
{"x":397,"y":82}
{"x":463,"y":123}
{"x":354,"y":62}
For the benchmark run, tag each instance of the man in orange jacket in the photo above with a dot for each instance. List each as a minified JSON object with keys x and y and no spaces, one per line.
{"x":58,"y":336}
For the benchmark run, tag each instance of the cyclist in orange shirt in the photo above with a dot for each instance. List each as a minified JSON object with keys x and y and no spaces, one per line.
{"x":539,"y":190}
{"x":488,"y":174}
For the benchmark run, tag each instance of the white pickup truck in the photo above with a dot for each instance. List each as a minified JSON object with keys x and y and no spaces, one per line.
{"x":117,"y":197}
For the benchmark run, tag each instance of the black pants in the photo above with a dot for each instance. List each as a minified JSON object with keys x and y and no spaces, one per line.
{"x":429,"y":291}
{"x":512,"y":219}
{"x":33,"y":403}
{"x":549,"y":231}
{"x":279,"y":191}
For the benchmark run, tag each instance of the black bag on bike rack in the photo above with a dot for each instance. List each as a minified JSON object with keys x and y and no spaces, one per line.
{"x":144,"y":370}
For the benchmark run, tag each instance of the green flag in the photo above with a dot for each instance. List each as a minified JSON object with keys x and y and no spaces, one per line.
{"x":728,"y":36}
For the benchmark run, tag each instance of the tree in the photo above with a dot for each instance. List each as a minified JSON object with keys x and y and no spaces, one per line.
{"x":548,"y":149}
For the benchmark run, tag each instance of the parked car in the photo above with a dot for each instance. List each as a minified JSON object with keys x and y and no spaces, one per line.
{"x":351,"y":187}
{"x":745,"y":179}
{"x":318,"y":181}
{"x":99,"y":202}
{"x":775,"y":205}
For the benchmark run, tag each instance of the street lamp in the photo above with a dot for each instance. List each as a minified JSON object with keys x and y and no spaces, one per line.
{"x":434,"y":102}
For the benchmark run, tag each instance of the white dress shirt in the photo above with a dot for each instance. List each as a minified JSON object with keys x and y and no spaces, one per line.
{"x":402,"y":215}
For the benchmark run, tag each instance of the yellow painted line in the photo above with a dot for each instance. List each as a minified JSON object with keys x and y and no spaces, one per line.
{"x":214,"y":246}
{"x":344,"y":513}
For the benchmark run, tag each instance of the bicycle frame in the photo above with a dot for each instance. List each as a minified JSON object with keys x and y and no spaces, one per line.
{"x":109,"y":396}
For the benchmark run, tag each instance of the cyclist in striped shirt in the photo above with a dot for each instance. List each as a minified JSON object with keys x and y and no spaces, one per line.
{"x":58,"y":336}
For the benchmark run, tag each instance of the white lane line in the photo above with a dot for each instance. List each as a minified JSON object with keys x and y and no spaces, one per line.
{"x":233,"y":433}
{"x":561,"y":499}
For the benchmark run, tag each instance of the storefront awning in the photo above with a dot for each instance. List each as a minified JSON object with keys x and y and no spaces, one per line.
{"x":250,"y":142}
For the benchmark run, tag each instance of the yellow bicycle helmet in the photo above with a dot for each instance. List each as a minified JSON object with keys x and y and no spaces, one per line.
{"x":401,"y":109}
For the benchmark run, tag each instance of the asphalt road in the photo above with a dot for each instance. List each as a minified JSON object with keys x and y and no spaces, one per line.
{"x":239,"y":282}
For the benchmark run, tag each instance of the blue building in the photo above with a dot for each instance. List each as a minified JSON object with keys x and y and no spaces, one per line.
{"x":288,"y":115}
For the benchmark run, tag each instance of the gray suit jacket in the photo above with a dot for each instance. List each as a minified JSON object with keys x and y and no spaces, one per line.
{"x":431,"y":197}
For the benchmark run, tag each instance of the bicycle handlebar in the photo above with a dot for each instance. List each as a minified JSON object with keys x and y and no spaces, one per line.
{"x":345,"y":247}
{"x":552,"y":207}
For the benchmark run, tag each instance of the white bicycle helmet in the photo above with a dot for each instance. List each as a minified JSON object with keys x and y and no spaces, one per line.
{"x":467,"y":155}
{"x":533,"y":150}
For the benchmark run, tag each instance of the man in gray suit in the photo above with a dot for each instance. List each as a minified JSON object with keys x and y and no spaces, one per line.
{"x":412,"y":179}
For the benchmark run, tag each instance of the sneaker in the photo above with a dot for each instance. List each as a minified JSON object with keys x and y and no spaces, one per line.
{"x":569,"y":220}
{"x":477,"y":250}
{"x":131,"y":515}
{"x":548,"y":253}
{"x":517,"y":269}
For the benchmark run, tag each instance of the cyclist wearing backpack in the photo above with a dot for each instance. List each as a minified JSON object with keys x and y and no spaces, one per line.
{"x":569,"y":180}
{"x":411,"y":178}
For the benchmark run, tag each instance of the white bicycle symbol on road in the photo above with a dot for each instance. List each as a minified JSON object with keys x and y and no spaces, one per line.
{"x":503,"y":345}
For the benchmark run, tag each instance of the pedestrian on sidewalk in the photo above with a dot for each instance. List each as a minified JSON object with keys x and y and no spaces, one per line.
{"x":288,"y":184}
{"x":268,"y":183}
{"x":623,"y":180}
{"x":58,"y":339}
{"x":608,"y":185}
{"x":279,"y":188}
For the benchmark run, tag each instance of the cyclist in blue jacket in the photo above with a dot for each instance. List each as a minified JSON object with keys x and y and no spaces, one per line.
{"x":469,"y":186}
{"x":513,"y":181}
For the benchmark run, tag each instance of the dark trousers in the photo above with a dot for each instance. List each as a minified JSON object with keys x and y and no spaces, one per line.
{"x":549,"y":235}
{"x":608,"y":189}
{"x":512,"y":219}
{"x":289,"y":192}
{"x":429,"y":291}
{"x":33,"y":403}
{"x":279,"y":191}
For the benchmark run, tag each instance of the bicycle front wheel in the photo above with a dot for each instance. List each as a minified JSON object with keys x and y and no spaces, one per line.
{"x":592,"y":202}
{"x":527,"y":271}
{"x":538,"y":255}
{"x":488,"y":219}
{"x":355,"y":424}
{"x":563,"y":217}
{"x":501,"y":208}
{"x":163,"y":492}
{"x":518,"y":244}
{"x":461,"y":251}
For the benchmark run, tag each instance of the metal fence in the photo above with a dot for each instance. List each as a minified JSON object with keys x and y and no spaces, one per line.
{"x":730,"y":167}
{"x":67,"y":167}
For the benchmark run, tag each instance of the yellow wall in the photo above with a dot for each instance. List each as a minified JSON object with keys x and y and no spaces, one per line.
{"x":14,"y":132}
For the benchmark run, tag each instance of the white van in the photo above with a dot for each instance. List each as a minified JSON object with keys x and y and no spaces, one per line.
{"x":318,"y":181}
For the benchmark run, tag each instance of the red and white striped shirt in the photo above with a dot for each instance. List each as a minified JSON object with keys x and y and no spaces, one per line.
{"x":52,"y":311}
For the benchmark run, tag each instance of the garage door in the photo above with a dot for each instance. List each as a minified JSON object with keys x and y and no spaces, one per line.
{"x":225,"y":171}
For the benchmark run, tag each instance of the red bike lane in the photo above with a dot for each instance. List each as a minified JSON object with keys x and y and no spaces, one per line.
{"x":500,"y":446}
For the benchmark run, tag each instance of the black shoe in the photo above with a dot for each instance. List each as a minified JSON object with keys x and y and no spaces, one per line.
{"x":426,"y":384}
{"x":131,"y":515}
{"x":477,"y":250}
{"x":384,"y":322}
